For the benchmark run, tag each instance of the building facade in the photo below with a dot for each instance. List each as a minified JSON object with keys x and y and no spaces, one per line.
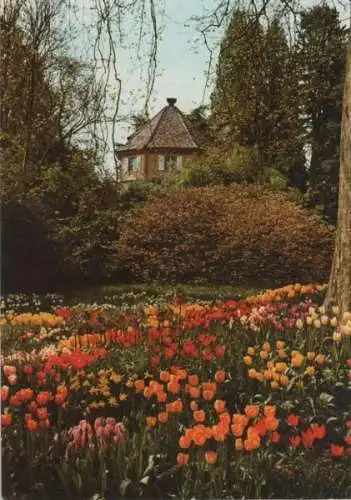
{"x":158,"y":147}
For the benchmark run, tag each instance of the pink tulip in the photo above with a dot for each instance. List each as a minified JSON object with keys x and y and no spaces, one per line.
{"x":98,"y":423}
{"x":110,"y":428}
{"x":100,"y":431}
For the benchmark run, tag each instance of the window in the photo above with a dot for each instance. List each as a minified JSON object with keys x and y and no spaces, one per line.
{"x":133,"y":163}
{"x":169,"y":162}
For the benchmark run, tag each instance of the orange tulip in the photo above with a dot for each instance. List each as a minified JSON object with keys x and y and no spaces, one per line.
{"x":237,"y":430}
{"x":182,"y":374}
{"x":252,"y":410}
{"x":139,"y":385}
{"x":208,"y":395}
{"x":336,"y":450}
{"x":151,"y":421}
{"x":182,"y":458}
{"x":251,"y":444}
{"x":295,"y":441}
{"x":219,"y":432}
{"x":219,"y":405}
{"x":177,"y":406}
{"x":32,"y":425}
{"x":224,"y":418}
{"x":6,"y":419}
{"x":42,"y":413}
{"x":161,"y":397}
{"x":199,"y":416}
{"x":209,"y":386}
{"x":194,"y":392}
{"x":44,"y":397}
{"x":164,"y":376}
{"x":147,"y":393}
{"x":162,"y":417}
{"x":319,"y":431}
{"x":193,"y":380}
{"x":252,"y":433}
{"x":269,"y":411}
{"x":271,"y":423}
{"x":240,"y":419}
{"x":189,"y":433}
{"x":173,"y":387}
{"x":199,"y":436}
{"x":211,"y":457}
{"x":209,"y":432}
{"x":220,"y":376}
{"x":184,"y":442}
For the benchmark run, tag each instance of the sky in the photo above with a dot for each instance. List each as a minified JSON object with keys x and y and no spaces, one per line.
{"x":182,"y":64}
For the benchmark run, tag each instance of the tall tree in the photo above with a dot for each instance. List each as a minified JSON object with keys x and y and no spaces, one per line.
{"x":321,"y":52}
{"x":253,"y":99}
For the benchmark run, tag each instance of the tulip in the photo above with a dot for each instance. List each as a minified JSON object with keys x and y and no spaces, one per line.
{"x":299,"y":324}
{"x":151,"y":421}
{"x":336,"y":338}
{"x":199,"y":416}
{"x":220,"y":376}
{"x":334,"y":321}
{"x":9,"y":370}
{"x":211,"y":457}
{"x":12,"y":379}
{"x":5,"y":390}
{"x":6,"y":419}
{"x":32,"y":425}
{"x":239,"y":444}
{"x":162,"y":417}
{"x":336,"y":450}
{"x":182,"y":458}
{"x":251,"y":411}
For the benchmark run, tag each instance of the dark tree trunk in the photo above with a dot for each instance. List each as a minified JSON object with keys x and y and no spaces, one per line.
{"x":339,"y":289}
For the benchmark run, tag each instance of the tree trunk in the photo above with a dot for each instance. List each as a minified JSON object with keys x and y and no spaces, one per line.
{"x":339,"y":289}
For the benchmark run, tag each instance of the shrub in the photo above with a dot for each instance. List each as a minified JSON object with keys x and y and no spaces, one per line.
{"x":236,"y":234}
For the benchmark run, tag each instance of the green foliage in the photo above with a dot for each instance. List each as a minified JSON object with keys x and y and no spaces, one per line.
{"x":226,"y":235}
{"x":217,"y":166}
{"x":321,"y":55}
{"x":262,"y":114}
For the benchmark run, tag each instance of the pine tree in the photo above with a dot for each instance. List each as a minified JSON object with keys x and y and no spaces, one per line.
{"x":321,"y":51}
{"x":254,"y":103}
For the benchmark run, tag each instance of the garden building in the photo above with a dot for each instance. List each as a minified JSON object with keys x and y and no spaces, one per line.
{"x":157,"y":147}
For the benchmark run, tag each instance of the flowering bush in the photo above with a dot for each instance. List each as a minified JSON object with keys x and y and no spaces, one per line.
{"x":235,"y":234}
{"x":247,"y":398}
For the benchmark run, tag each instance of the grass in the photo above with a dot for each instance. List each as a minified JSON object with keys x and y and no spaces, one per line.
{"x":120,"y":292}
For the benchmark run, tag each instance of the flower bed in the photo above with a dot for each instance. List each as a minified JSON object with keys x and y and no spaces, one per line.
{"x":246,"y":398}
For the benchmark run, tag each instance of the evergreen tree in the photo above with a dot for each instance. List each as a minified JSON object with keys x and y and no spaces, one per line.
{"x":321,"y":53}
{"x":253,"y":103}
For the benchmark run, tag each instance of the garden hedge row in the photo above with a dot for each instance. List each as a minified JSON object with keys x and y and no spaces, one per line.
{"x":236,"y":234}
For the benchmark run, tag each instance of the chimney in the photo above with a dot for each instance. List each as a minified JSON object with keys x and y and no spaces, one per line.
{"x":171,"y":101}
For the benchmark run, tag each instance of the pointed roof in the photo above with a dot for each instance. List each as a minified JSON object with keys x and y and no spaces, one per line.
{"x":169,"y":129}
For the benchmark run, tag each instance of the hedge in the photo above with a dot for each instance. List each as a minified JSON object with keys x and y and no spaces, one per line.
{"x":235,"y":234}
